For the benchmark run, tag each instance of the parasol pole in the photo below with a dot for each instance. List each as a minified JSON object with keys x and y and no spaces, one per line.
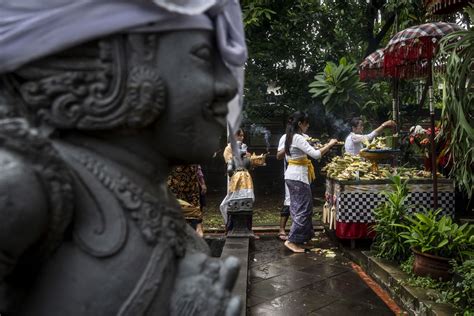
{"x":395,"y":104}
{"x":434,"y":168}
{"x":396,"y":118}
{"x":396,"y":87}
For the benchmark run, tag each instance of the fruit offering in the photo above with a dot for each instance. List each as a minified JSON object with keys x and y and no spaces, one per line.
{"x":376,"y":143}
{"x":349,"y":167}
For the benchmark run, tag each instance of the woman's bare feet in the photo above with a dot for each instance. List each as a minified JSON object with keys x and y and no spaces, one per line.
{"x":282,"y":235}
{"x":294,"y":247}
{"x":200,"y":230}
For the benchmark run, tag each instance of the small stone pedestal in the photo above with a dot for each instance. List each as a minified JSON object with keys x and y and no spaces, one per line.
{"x":240,"y":212}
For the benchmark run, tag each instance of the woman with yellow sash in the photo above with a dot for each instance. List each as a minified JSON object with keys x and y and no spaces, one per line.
{"x":298,"y":176}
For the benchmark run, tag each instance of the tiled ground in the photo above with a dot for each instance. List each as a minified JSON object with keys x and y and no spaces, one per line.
{"x":284,"y":283}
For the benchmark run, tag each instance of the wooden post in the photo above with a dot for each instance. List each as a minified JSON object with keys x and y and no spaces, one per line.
{"x":434,"y":168}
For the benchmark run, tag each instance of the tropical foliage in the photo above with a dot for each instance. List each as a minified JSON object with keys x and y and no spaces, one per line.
{"x":289,"y":42}
{"x":378,"y":99}
{"x":459,"y":291}
{"x":439,"y":235}
{"x":339,"y":87}
{"x":458,"y":113}
{"x":388,"y":243}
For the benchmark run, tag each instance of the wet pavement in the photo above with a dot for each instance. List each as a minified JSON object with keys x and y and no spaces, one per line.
{"x":322,"y":282}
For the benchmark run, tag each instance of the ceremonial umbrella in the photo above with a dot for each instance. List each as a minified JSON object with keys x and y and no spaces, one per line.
{"x":445,"y":6}
{"x":372,"y":66}
{"x":409,"y":54}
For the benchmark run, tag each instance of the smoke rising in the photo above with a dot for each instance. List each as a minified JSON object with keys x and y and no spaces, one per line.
{"x":334,"y":126}
{"x":260,"y":130}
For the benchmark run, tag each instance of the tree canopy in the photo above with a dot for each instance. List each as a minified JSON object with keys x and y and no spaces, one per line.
{"x":292,"y":41}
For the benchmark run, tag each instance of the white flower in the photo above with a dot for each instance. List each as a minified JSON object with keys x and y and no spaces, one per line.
{"x":417,"y":130}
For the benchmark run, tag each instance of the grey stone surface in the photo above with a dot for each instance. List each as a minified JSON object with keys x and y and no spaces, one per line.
{"x":216,"y":245}
{"x":284,"y":283}
{"x":238,"y":247}
{"x":88,"y":135}
{"x":416,"y":301}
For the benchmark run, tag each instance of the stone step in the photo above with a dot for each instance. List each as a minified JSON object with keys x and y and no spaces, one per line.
{"x":416,"y":301}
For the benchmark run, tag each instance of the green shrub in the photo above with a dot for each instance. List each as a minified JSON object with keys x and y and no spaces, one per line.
{"x":388,"y":243}
{"x":438,"y":235}
{"x":461,"y":291}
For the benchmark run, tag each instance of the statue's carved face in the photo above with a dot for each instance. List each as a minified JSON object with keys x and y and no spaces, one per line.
{"x":198,"y":88}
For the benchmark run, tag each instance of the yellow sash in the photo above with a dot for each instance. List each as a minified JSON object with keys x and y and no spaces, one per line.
{"x":304,"y":162}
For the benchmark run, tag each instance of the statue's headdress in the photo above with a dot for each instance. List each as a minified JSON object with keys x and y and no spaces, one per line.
{"x":31,"y":30}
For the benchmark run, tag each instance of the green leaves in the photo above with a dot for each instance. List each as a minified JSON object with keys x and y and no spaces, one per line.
{"x":462,"y":293}
{"x":255,"y":12}
{"x":427,"y":231}
{"x":438,"y":235}
{"x":338,"y":86}
{"x":457,"y":49}
{"x":390,"y":221}
{"x":290,"y":41}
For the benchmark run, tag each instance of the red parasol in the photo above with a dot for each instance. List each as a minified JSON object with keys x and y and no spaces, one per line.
{"x":445,"y":6}
{"x":372,"y":66}
{"x":409,"y":52}
{"x":413,"y":50}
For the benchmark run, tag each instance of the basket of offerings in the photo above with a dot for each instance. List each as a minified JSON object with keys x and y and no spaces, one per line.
{"x":257,"y":160}
{"x":314,"y":141}
{"x":375,"y":155}
{"x":377,"y":150}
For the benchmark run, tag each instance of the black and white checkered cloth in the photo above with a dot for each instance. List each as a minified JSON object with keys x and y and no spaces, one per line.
{"x":357,"y":207}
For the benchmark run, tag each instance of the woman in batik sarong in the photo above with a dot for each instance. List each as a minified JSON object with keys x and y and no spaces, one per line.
{"x":202,"y":199}
{"x":298,"y":176}
{"x":184,"y":182}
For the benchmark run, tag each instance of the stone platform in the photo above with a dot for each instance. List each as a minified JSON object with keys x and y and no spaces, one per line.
{"x":322,"y":282}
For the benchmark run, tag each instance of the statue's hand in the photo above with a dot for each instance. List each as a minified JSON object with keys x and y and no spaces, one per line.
{"x":203,"y":286}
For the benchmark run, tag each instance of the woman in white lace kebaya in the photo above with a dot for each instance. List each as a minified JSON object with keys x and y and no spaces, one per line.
{"x":354,"y":141}
{"x":298,"y":176}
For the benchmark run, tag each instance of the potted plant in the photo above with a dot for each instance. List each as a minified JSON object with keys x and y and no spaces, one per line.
{"x":435,"y":240}
{"x":388,"y":243}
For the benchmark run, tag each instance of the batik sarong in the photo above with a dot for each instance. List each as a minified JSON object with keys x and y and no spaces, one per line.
{"x":301,"y":211}
{"x":183,"y":182}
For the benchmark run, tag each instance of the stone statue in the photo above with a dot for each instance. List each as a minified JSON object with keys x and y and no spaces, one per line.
{"x":98,"y":99}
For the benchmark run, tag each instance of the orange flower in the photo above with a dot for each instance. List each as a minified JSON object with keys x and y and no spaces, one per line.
{"x":425,"y":141}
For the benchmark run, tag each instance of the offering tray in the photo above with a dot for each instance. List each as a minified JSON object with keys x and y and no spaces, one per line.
{"x":375,"y":155}
{"x":258,"y":160}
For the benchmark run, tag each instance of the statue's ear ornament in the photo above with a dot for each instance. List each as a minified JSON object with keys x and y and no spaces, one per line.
{"x":109,"y":87}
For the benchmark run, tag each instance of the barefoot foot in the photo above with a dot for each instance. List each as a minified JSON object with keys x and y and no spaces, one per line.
{"x":294,"y":247}
{"x":200,"y":230}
